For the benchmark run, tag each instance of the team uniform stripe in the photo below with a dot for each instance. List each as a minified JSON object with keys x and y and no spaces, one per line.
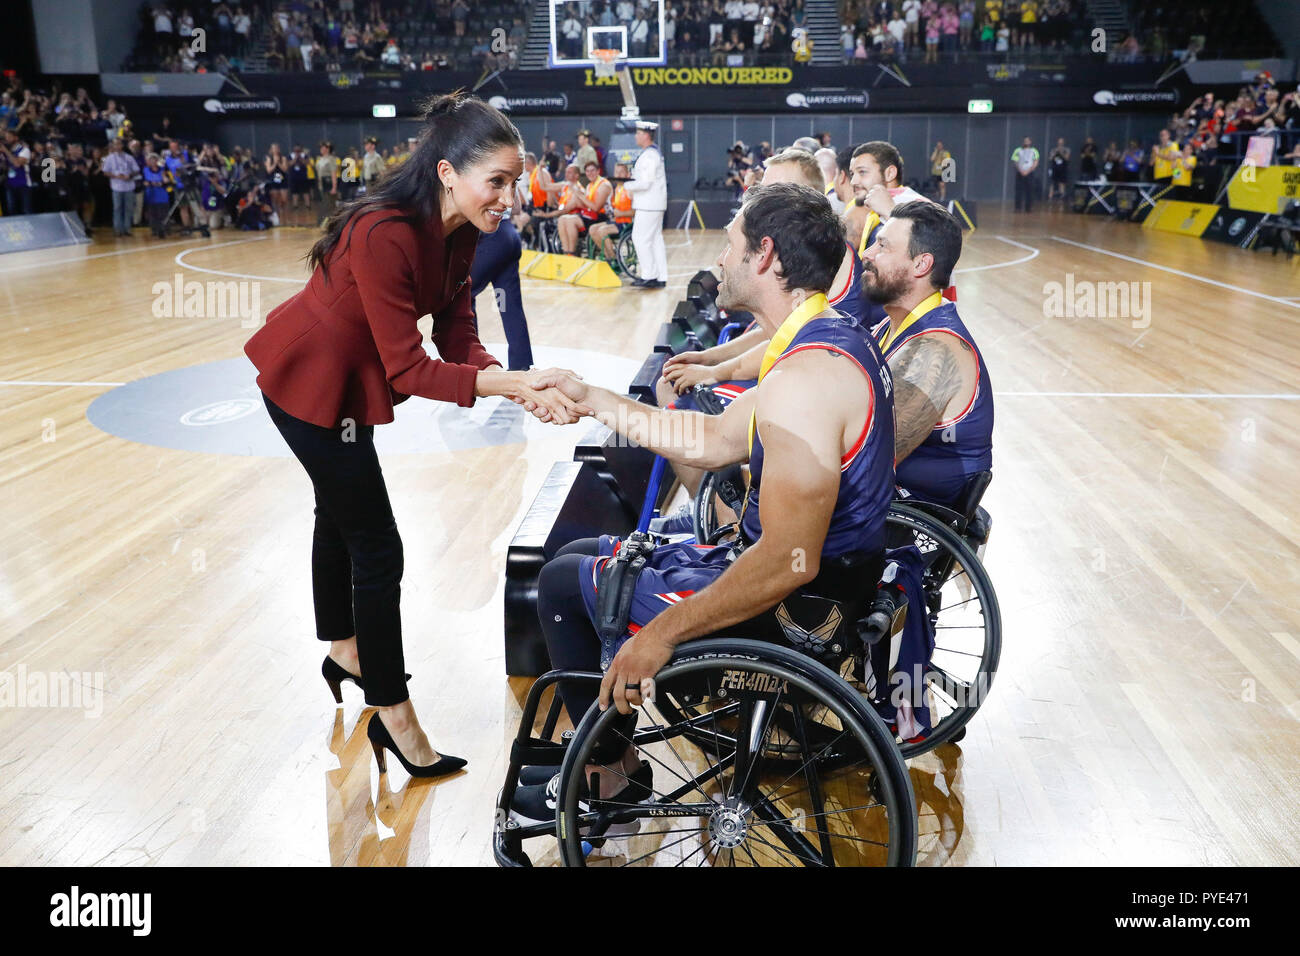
{"x":847,"y":459}
{"x":848,"y":283}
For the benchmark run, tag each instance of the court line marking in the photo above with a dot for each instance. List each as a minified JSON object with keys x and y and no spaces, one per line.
{"x":97,"y":255}
{"x":1178,"y":272}
{"x":1033,"y":254}
{"x":1239,"y":396}
{"x":61,"y":384}
{"x":180,"y":261}
{"x":1274,"y":396}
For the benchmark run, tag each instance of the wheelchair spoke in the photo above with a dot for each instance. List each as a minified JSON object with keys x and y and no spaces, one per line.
{"x":954,"y":687}
{"x":779,"y":859}
{"x":689,"y":783}
{"x":663,"y":736}
{"x":794,"y":841}
{"x":814,"y":785}
{"x":659,"y":849}
{"x":811,"y":759}
{"x":698,"y":849}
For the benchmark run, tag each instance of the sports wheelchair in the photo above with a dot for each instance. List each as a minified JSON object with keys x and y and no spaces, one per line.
{"x":762,"y":756}
{"x":961,"y":603}
{"x":624,"y":260}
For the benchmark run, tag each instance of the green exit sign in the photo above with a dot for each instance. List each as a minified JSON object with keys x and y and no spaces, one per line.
{"x":979,"y":106}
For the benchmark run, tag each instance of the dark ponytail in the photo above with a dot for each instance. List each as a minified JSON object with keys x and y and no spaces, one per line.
{"x":458,"y":128}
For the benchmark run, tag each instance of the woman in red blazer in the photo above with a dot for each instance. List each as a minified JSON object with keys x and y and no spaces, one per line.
{"x":334,"y":360}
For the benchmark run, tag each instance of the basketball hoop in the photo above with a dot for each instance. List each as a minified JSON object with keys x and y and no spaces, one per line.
{"x":606,"y":61}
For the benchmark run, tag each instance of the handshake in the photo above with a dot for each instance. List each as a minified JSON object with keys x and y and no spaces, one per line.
{"x":554,"y":395}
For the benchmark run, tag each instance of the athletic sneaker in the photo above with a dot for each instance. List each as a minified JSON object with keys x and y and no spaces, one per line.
{"x":533,"y":776}
{"x":537,"y":804}
{"x":681,"y":521}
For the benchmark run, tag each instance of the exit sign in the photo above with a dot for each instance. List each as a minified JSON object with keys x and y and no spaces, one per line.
{"x":979,"y":106}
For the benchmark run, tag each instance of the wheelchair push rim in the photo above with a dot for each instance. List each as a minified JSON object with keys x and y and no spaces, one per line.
{"x":716,"y":800}
{"x":625,"y":253}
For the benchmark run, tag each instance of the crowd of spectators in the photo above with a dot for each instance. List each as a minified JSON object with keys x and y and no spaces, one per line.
{"x":1209,"y":134}
{"x":61,"y":152}
{"x":899,"y":30}
{"x":197,"y":38}
{"x":1198,"y":28}
{"x":396,"y":35}
{"x":330,"y":35}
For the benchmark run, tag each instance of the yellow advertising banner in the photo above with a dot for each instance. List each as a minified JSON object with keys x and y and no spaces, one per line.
{"x":1264,"y":188}
{"x":1184,"y":218}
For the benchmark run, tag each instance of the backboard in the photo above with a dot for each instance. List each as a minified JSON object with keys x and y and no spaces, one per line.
{"x":633,"y":27}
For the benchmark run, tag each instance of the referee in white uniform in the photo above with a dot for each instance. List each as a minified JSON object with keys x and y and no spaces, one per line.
{"x":649,"y":189}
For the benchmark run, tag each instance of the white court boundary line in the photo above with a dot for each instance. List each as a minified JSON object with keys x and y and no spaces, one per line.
{"x":97,"y":255}
{"x":1033,"y":254}
{"x":180,"y":261}
{"x":1269,"y":396}
{"x":1179,"y":272}
{"x":1213,"y":396}
{"x":62,"y":384}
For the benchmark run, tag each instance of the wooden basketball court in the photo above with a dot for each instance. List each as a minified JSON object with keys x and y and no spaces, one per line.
{"x":1145,"y":553}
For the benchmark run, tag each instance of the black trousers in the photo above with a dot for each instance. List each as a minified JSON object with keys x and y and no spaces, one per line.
{"x":356,"y":554}
{"x":1025,"y":192}
{"x":496,"y":262}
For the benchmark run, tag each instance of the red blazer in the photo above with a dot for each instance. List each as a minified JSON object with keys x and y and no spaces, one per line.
{"x":349,"y":347}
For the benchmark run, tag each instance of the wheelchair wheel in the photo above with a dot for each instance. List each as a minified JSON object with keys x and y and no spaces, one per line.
{"x":963,"y":610}
{"x":625,"y":253}
{"x":717,"y":797}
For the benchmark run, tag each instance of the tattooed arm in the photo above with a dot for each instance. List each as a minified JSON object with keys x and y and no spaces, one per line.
{"x":928,"y":373}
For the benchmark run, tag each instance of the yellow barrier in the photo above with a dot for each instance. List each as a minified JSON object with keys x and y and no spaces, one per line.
{"x":1263,"y":188}
{"x":1184,"y":218}
{"x":575,"y":270}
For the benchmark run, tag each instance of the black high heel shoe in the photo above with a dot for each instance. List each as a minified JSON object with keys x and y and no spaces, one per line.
{"x":335,"y":675}
{"x":380,"y":739}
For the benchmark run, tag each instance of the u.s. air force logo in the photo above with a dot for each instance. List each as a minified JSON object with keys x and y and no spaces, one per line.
{"x":807,"y":639}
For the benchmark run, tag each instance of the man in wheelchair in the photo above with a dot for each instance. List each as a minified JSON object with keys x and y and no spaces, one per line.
{"x":943,"y":401}
{"x":818,"y":433}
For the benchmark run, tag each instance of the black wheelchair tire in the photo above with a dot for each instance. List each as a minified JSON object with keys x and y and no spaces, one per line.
{"x":809,"y":677}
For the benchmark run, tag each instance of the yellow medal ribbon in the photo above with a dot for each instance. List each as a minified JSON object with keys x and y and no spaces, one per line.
{"x":812,"y":306}
{"x":930,"y":302}
{"x":873,"y":220}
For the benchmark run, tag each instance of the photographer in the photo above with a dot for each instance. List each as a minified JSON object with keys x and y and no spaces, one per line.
{"x":738,"y":164}
{"x":209,"y":211}
{"x":255,"y":210}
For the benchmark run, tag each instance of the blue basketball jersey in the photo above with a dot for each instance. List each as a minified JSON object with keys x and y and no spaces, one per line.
{"x":867,"y":470}
{"x":959,"y":446}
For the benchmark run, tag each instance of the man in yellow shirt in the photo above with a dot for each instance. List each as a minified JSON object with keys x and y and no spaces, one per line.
{"x":1184,"y":165}
{"x":1163,"y":154}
